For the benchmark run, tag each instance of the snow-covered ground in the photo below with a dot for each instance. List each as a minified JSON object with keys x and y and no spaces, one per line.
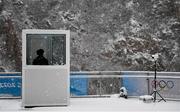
{"x":96,"y":104}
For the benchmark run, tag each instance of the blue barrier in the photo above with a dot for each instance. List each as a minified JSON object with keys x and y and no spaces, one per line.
{"x":135,"y":86}
{"x":10,"y":85}
{"x":78,"y":86}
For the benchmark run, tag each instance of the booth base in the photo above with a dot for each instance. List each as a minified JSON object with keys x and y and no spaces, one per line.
{"x":45,"y":87}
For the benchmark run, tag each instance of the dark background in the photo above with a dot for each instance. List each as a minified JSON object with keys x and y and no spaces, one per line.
{"x":105,"y":34}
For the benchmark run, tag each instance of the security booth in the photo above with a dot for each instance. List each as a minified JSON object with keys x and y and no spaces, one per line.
{"x":45,"y":67}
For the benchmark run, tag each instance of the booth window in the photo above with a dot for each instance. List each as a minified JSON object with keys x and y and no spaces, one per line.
{"x":52,"y":47}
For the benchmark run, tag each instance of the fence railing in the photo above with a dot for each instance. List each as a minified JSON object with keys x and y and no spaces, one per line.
{"x":10,"y":84}
{"x":104,"y":83}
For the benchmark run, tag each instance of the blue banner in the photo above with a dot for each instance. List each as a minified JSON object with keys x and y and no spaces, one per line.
{"x":135,"y":86}
{"x":10,"y":85}
{"x":78,"y":86}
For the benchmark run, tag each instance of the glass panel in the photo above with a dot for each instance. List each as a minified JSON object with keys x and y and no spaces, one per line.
{"x":104,"y":86}
{"x":110,"y":85}
{"x":94,"y":86}
{"x":46,"y":49}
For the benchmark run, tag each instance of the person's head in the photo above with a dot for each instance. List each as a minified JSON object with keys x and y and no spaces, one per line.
{"x":40,"y":52}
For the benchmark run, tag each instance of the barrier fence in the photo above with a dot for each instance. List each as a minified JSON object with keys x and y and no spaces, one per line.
{"x":10,"y":85}
{"x":104,"y":83}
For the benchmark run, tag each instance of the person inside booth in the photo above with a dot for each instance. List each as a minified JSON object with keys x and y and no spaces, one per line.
{"x":40,"y":59}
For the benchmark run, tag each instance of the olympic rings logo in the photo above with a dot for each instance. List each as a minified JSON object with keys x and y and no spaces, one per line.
{"x":162,"y":84}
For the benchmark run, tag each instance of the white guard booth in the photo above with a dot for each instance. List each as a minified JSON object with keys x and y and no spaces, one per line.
{"x":45,"y":67}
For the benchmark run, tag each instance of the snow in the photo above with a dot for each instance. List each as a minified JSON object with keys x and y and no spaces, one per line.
{"x":120,"y":37}
{"x":134,"y":25}
{"x":134,"y":22}
{"x":146,"y":97}
{"x":96,"y":104}
{"x":6,"y":15}
{"x":157,"y":39}
{"x":140,"y":55}
{"x":129,"y":5}
{"x":137,"y":39}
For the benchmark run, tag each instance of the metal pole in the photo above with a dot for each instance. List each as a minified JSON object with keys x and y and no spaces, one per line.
{"x":155,"y":81}
{"x":148,"y":84}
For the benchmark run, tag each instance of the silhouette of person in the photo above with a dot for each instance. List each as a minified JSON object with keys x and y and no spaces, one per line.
{"x":40,"y":59}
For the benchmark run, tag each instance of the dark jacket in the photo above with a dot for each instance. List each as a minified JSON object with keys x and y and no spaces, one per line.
{"x":40,"y":60}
